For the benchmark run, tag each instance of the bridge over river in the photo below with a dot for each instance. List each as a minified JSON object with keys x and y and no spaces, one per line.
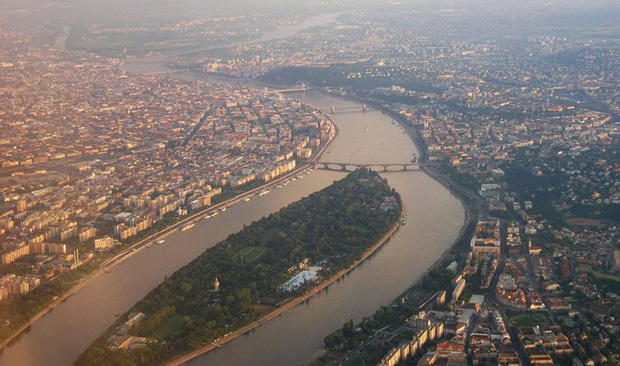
{"x":302,"y":88}
{"x":383,"y":167}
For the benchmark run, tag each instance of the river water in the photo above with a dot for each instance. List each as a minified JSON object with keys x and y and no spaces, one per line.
{"x":61,"y":41}
{"x":435,"y":218}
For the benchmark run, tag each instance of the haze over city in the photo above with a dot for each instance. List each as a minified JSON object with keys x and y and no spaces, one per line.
{"x":273,"y":182}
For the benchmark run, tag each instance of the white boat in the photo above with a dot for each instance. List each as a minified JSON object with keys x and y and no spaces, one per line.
{"x":159,"y":242}
{"x":263,"y":192}
{"x":187,"y":227}
{"x":247,"y":199}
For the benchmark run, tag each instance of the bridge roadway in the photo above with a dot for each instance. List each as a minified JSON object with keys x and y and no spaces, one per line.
{"x":387,"y":167}
{"x":302,"y":87}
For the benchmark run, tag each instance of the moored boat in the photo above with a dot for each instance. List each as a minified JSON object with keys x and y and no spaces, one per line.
{"x":187,"y":227}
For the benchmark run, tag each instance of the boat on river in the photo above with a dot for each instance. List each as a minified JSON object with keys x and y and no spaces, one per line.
{"x":187,"y":227}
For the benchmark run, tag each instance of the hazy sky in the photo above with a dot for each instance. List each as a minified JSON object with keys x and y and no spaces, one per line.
{"x":144,"y":11}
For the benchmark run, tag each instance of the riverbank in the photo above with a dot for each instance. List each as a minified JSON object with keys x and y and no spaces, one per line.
{"x":412,"y":131}
{"x":473,"y":206}
{"x":473,"y":210}
{"x":92,"y":309}
{"x":289,"y":305}
{"x":109,"y":264}
{"x":471,"y":201}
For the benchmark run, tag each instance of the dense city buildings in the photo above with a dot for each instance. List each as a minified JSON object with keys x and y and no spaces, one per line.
{"x":93,"y":159}
{"x":515,"y":107}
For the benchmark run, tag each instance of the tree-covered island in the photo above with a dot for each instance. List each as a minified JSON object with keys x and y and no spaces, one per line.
{"x":252,"y":273}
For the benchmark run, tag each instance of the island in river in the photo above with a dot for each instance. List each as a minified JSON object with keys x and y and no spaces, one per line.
{"x":253,"y":273}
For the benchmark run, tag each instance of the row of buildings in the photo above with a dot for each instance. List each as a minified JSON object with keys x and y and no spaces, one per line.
{"x":122,"y":153}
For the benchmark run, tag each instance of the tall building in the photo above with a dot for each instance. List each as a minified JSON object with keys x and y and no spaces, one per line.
{"x":458,"y":290}
{"x":87,"y":233}
{"x":565,"y":267}
{"x":12,"y":256}
{"x":21,"y":205}
{"x":104,"y":243}
{"x":57,"y":248}
{"x":38,"y":248}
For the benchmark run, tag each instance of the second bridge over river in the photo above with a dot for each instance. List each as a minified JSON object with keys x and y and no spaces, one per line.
{"x":303,"y":87}
{"x":380,"y":167}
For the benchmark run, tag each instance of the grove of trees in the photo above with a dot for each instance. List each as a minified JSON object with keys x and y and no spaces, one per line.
{"x":334,"y":226}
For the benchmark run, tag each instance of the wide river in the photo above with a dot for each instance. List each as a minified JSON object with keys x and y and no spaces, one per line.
{"x":435,"y":218}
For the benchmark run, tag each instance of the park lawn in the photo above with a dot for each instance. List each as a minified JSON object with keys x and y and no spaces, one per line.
{"x":528,"y":320}
{"x":168,"y":327}
{"x":251,"y":254}
{"x":597,"y":274}
{"x":368,"y":183}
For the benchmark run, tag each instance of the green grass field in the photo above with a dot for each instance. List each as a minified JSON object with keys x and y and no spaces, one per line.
{"x":597,"y":274}
{"x":527,"y":320}
{"x":251,"y":253}
{"x":168,"y":327}
{"x":368,"y":183}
